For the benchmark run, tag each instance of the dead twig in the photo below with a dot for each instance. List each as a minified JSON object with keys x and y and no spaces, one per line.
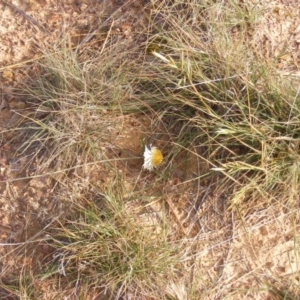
{"x":25,"y":16}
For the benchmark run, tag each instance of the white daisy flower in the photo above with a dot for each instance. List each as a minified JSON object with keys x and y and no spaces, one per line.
{"x":152,"y":158}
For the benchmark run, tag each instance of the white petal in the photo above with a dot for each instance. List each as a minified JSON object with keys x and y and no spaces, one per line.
{"x":148,"y":159}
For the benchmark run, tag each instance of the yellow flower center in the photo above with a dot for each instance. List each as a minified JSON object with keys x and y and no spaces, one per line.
{"x":157,"y":157}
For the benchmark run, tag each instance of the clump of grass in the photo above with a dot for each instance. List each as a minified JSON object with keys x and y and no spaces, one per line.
{"x":79,"y":96}
{"x":106,"y":247}
{"x":242,"y":112}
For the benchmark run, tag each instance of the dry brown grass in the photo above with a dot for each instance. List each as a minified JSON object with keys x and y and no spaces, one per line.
{"x":220,"y":218}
